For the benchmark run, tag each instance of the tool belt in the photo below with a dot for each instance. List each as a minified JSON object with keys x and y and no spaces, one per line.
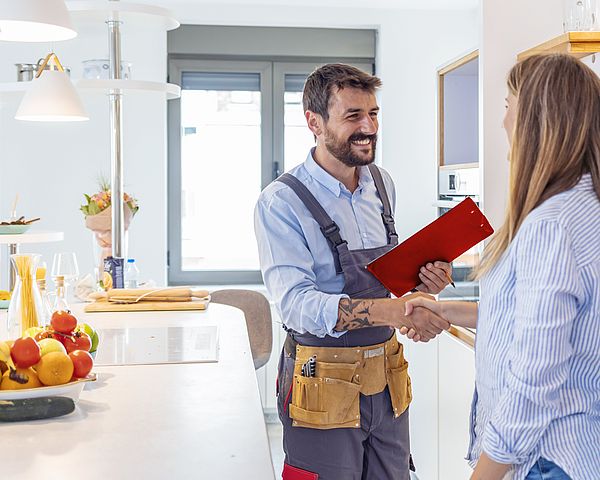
{"x":330,"y":398}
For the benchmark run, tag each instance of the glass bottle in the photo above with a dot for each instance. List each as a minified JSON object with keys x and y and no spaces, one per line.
{"x":46,"y":302}
{"x":25,"y":308}
{"x":60,"y":303}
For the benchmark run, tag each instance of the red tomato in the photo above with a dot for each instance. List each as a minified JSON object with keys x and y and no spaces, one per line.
{"x":25,"y":352}
{"x":78,"y":341}
{"x":83,"y":363}
{"x":63,"y":322}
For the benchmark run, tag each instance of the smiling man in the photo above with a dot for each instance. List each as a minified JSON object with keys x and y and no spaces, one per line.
{"x":343,"y":387}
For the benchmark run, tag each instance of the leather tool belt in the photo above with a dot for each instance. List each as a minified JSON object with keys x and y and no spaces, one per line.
{"x":330,"y":398}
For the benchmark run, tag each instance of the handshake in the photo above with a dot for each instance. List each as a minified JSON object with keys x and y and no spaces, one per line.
{"x":423,"y":317}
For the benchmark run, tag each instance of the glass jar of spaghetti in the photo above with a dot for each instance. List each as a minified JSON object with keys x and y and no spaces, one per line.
{"x":26,"y":308}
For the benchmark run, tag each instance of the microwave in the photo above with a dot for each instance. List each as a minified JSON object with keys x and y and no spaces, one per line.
{"x":462,"y":182}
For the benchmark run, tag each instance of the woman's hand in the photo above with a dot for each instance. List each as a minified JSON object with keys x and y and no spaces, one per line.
{"x":434,"y":277}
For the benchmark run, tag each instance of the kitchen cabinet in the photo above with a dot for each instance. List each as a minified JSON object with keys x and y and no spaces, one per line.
{"x":458,"y":112}
{"x":456,"y":380}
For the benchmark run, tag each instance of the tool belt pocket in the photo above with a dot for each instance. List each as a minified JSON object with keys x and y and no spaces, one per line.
{"x":398,"y":381}
{"x":328,"y":400}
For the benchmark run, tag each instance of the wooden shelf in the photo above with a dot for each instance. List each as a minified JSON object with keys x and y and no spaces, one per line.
{"x":578,"y":44}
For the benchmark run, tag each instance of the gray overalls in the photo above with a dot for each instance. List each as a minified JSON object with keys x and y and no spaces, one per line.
{"x":379,"y":449}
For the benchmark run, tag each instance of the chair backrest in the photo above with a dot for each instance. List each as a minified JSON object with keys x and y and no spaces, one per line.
{"x":257,"y":311}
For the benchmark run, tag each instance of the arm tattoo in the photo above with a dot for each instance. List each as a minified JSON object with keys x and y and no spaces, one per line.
{"x":353,"y":314}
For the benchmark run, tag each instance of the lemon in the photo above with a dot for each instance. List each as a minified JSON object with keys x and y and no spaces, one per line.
{"x":4,"y":295}
{"x":107,"y":282}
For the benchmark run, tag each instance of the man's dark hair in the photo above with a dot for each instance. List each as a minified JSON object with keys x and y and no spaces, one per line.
{"x":320,"y":85}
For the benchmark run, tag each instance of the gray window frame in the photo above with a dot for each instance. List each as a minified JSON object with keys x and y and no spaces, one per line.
{"x":272,"y":147}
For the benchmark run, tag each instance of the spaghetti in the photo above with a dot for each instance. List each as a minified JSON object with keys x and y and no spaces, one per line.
{"x":24,"y":266}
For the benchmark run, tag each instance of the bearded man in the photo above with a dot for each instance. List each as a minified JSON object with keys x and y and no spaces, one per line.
{"x":343,"y":387}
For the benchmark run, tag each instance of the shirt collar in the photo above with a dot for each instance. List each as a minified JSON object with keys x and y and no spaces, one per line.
{"x":329,"y":181}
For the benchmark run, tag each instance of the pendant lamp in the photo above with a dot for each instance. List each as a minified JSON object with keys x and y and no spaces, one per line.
{"x":51,"y":97}
{"x":35,"y":21}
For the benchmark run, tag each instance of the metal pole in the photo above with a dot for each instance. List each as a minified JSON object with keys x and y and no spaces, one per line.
{"x":116,"y":137}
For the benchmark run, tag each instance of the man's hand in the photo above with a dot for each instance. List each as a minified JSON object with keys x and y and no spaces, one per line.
{"x":434,"y":277}
{"x":422,"y":323}
{"x":418,"y":307}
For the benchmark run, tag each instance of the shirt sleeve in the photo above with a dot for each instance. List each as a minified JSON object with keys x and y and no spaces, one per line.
{"x":288,"y":273}
{"x":547,"y":292}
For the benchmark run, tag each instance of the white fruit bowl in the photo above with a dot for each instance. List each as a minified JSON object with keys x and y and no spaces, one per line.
{"x":72,"y":390}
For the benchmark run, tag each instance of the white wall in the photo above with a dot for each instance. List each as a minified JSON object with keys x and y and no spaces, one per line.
{"x":507,"y":28}
{"x":52,"y":165}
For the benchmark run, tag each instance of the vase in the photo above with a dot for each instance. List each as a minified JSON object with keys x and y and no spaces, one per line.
{"x":101,"y":227}
{"x":26,"y":309}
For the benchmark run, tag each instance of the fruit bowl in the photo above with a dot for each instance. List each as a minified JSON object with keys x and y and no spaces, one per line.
{"x":72,"y":390}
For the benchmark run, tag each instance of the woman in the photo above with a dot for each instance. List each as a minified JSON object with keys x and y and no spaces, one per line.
{"x":536,"y":409}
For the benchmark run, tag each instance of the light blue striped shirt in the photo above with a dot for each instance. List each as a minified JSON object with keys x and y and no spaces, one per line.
{"x":537,"y":351}
{"x":295,"y":258}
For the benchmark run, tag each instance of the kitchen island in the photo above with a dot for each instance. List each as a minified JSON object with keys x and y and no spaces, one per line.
{"x":161,"y":421}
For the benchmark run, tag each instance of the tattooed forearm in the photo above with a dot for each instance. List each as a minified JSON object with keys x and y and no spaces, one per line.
{"x":353,"y":314}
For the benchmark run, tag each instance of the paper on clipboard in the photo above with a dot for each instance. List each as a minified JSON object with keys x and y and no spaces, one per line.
{"x":444,"y":239}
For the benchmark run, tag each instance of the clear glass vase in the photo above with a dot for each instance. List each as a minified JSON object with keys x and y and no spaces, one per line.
{"x":26,"y":307}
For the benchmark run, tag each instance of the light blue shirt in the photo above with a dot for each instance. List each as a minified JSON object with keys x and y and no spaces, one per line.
{"x":538,"y":342}
{"x":296,"y":259}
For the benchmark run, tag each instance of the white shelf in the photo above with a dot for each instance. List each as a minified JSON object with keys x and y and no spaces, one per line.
{"x":31,"y":237}
{"x":13,"y":87}
{"x":170,"y":89}
{"x":125,"y":12}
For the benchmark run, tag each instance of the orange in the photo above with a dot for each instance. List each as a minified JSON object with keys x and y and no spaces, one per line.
{"x":55,"y":368}
{"x":32,"y":382}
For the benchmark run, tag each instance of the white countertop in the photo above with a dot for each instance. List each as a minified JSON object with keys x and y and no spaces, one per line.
{"x":163,"y":422}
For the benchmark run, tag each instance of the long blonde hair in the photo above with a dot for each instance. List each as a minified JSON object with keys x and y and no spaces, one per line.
{"x":556,"y":139}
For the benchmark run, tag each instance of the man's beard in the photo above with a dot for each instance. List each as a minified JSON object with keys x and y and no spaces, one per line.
{"x":342,"y":150}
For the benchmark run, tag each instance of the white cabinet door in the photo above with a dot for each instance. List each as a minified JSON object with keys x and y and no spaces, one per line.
{"x":456,"y":370}
{"x":422,"y":367}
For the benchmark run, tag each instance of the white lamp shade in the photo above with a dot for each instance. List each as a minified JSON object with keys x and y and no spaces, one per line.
{"x":35,"y":21}
{"x":51,"y":98}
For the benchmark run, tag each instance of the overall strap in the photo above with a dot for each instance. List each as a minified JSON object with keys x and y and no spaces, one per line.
{"x":388,"y":219}
{"x":328,"y":227}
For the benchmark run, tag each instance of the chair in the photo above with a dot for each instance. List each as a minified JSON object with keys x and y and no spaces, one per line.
{"x":257,"y":311}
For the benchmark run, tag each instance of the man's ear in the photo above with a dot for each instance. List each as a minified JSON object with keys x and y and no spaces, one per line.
{"x":314,"y":122}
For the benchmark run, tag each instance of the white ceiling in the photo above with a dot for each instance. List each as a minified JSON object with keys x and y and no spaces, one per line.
{"x":382,"y":4}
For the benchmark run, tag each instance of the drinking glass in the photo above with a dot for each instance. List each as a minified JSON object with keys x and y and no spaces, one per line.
{"x":65,"y":264}
{"x":579,"y":15}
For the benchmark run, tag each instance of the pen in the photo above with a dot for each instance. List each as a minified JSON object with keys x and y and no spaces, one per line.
{"x":450,"y":279}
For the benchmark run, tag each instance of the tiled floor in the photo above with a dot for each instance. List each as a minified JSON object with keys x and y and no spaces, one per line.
{"x":274,"y":431}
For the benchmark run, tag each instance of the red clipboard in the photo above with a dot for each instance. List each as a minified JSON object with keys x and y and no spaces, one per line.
{"x":445,"y":239}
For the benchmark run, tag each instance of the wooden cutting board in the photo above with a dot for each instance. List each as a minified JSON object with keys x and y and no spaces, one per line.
{"x":105,"y":306}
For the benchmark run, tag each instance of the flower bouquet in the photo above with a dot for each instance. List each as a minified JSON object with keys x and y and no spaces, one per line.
{"x":98,"y":217}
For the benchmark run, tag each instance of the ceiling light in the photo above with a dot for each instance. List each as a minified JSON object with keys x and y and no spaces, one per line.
{"x":35,"y":21}
{"x":51,"y":97}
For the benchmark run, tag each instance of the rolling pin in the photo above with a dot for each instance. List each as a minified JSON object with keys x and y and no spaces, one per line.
{"x":134,"y":295}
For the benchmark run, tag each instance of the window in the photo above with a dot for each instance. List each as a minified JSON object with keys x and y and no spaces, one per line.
{"x":237,"y":126}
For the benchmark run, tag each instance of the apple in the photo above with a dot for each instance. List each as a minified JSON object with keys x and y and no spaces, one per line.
{"x":95,"y":340}
{"x":48,"y":345}
{"x":32,"y":332}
